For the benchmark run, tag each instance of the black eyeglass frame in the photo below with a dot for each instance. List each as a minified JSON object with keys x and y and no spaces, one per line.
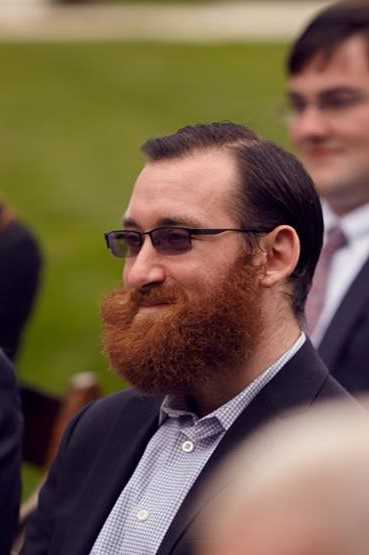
{"x":191,"y":232}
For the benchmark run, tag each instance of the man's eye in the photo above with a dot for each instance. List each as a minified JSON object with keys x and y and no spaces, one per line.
{"x":338,"y":103}
{"x":341,"y":102}
{"x":131,"y":241}
{"x":296,"y":105}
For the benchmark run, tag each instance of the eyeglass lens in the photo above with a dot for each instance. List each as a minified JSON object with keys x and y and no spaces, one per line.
{"x":171,"y":240}
{"x":165,"y":240}
{"x":125,"y":243}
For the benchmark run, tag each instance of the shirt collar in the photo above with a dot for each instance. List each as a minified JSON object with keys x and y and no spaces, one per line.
{"x":354,"y":224}
{"x":175,"y":407}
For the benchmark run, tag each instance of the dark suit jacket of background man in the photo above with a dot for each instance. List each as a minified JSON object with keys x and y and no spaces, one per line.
{"x":345,"y":344}
{"x":10,"y":454}
{"x":104,"y":444}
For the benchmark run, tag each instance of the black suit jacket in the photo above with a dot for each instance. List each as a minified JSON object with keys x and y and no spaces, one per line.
{"x":105,"y":442}
{"x":345,"y":345}
{"x":10,"y":454}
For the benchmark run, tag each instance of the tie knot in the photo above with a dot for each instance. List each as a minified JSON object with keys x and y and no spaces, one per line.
{"x":336,"y":239}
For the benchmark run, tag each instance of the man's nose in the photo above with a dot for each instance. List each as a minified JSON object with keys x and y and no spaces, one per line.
{"x":309,"y":124}
{"x":146,"y":268}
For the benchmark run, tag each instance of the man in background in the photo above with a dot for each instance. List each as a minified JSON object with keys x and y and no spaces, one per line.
{"x":328,"y":93}
{"x":221,"y":237}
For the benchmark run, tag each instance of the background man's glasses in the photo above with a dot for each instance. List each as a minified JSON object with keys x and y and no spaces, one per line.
{"x":166,"y":240}
{"x":331,"y":102}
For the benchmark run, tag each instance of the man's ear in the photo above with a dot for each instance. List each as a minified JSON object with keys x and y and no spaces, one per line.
{"x":280,"y":252}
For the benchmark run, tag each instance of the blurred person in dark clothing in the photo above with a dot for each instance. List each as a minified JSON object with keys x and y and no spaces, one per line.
{"x":328,"y":93}
{"x":20,"y":267}
{"x":10,"y":454}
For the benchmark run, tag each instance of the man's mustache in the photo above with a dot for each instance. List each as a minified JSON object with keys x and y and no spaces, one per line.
{"x":318,"y":141}
{"x":124,"y":301}
{"x":157,"y":295}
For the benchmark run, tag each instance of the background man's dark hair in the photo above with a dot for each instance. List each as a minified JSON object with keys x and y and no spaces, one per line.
{"x":274,"y":189}
{"x":327,"y":31}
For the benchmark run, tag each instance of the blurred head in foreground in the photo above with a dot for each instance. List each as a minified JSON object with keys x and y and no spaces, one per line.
{"x":299,"y":487}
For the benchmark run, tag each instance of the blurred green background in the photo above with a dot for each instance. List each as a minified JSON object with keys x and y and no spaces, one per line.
{"x":73,"y":116}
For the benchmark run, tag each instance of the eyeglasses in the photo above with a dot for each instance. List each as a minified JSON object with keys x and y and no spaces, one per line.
{"x":331,"y":102}
{"x":166,"y":240}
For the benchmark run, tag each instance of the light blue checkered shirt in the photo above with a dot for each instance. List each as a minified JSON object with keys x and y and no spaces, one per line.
{"x":172,"y":461}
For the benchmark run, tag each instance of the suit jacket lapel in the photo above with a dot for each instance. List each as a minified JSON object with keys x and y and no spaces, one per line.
{"x":297,"y":383}
{"x":345,"y":317}
{"x":123,"y":448}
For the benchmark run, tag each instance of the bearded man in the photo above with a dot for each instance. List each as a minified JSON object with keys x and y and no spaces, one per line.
{"x":221,"y":237}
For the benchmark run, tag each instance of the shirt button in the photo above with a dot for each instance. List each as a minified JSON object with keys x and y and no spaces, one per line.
{"x":142,"y":515}
{"x":188,"y":446}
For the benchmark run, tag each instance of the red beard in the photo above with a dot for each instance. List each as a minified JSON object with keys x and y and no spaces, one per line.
{"x":184,"y":343}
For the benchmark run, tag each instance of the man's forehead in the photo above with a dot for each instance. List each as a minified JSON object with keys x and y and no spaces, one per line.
{"x":184,"y":188}
{"x":188,"y":178}
{"x":210,"y":164}
{"x":345,"y":64}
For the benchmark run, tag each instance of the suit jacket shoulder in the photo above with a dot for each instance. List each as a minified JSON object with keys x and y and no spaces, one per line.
{"x":99,"y":418}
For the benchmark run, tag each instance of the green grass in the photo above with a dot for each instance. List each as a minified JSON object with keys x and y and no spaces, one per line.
{"x":73,"y":117}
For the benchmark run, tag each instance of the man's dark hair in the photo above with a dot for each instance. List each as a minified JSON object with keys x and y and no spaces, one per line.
{"x":274,"y":189}
{"x":327,"y":31}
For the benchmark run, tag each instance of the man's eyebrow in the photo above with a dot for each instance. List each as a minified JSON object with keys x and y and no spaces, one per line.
{"x":344,"y":89}
{"x":165,"y":222}
{"x":340,"y":90}
{"x":130,"y":222}
{"x":179,"y":221}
